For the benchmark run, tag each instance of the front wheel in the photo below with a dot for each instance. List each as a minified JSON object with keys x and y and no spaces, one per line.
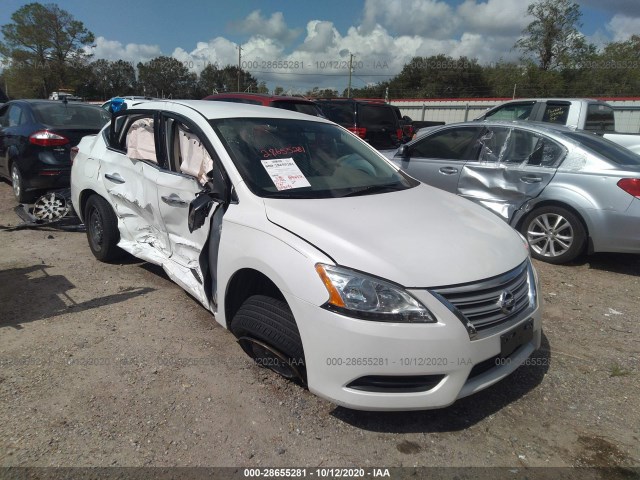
{"x":555,"y":235}
{"x":102,"y":229}
{"x":268,"y":333}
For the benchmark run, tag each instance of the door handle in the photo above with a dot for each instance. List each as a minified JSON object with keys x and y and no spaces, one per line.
{"x":448,"y":170}
{"x":531,"y":179}
{"x":174,"y":200}
{"x":114,"y":177}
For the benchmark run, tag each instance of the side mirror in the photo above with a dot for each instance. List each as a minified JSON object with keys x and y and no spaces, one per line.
{"x":217,"y":187}
{"x":216,"y":190}
{"x":403,"y":152}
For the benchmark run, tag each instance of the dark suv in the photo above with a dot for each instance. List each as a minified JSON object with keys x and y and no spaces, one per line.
{"x":375,"y":122}
{"x":295,"y":104}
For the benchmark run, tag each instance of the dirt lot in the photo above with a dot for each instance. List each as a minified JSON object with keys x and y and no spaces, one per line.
{"x":114,"y":365}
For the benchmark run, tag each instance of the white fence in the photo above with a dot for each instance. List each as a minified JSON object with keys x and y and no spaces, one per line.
{"x":627,"y":111}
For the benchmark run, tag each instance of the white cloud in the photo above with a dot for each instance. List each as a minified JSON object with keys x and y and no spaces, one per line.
{"x":430,"y":18}
{"x":274,"y":27}
{"x":494,"y":17}
{"x":131,"y":52}
{"x":320,"y":36}
{"x":622,"y":27}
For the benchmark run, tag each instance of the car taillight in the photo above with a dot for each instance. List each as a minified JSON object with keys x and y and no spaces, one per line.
{"x":74,"y":151}
{"x":631,"y":186}
{"x":45,"y":138}
{"x":359,"y":131}
{"x":399,"y":133}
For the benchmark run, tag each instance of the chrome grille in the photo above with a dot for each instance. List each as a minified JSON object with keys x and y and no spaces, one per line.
{"x":484,"y":303}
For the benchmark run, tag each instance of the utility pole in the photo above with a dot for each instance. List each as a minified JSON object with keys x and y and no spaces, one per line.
{"x":239,"y":64}
{"x":514,"y":90}
{"x":350,"y":70}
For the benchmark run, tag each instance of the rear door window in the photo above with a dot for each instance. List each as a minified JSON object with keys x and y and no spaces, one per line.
{"x":376,"y":115}
{"x":451,"y":144}
{"x":340,"y":113}
{"x":512,"y":111}
{"x":600,"y":118}
{"x":556,"y":113}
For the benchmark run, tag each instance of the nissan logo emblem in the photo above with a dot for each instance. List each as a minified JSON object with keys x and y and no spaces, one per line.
{"x":506,"y":302}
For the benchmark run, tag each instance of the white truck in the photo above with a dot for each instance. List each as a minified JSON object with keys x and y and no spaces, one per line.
{"x":579,"y":113}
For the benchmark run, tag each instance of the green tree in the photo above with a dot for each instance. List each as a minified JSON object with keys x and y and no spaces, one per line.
{"x":167,"y":77}
{"x":553,"y":38}
{"x":218,"y":80}
{"x":439,"y":76}
{"x":278,"y":90}
{"x":105,"y":79}
{"x":46,"y":48}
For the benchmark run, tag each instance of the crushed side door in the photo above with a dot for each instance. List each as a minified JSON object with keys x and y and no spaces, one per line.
{"x":513,"y":166}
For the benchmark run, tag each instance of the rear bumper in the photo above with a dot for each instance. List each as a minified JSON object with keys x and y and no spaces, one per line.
{"x":616,"y":231}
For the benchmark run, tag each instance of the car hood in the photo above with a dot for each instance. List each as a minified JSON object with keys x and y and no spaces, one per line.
{"x":419,"y":237}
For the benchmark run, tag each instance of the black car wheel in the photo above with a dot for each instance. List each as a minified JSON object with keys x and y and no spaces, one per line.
{"x":555,"y":235}
{"x":268,"y":333}
{"x":102,"y":229}
{"x":18,"y":185}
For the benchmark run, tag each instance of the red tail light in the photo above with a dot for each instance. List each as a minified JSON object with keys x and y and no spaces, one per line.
{"x":45,"y":138}
{"x":631,"y":186}
{"x":74,"y":151}
{"x":359,"y":131}
{"x":399,"y":133}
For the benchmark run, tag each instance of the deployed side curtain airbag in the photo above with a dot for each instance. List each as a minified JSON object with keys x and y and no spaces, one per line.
{"x":140,"y":140}
{"x":195,"y":158}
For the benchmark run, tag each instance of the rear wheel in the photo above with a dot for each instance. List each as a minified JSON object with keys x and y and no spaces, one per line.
{"x":17,"y":183}
{"x":268,"y":333}
{"x":102,"y":229}
{"x":555,"y":234}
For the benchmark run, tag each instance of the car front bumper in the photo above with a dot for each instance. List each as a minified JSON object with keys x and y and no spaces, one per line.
{"x":340,"y":350}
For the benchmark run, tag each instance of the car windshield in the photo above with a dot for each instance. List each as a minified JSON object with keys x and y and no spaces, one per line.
{"x":71,"y":115}
{"x":605,"y":148}
{"x":284,"y":158}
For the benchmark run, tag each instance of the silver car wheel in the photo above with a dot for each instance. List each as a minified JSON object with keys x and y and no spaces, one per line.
{"x":15,"y":181}
{"x":550,"y":235}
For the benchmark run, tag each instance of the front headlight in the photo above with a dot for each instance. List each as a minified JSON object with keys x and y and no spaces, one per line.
{"x":362,"y":296}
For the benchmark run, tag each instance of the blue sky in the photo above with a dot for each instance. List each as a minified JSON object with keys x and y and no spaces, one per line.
{"x":315,"y":38}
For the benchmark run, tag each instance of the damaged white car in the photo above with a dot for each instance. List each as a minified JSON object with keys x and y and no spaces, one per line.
{"x":330,"y":265}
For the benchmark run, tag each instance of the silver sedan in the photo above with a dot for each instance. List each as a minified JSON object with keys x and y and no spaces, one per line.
{"x":566,"y":191}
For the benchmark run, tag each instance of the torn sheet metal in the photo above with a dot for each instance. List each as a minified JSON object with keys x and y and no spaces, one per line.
{"x":513,"y":167}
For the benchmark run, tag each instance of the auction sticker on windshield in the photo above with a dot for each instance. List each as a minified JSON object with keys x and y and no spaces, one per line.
{"x":285,"y":174}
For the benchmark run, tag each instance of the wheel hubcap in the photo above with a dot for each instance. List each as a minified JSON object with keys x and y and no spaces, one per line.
{"x":15,"y":181}
{"x":550,"y":235}
{"x":95,"y":229}
{"x":51,"y":206}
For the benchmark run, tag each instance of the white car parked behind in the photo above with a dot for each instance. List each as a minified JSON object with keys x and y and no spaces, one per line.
{"x":330,"y":265}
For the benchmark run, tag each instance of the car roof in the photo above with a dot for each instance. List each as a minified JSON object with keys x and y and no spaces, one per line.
{"x":540,"y":127}
{"x":212,"y":110}
{"x":553,"y":99}
{"x":38,"y":101}
{"x":258,"y":96}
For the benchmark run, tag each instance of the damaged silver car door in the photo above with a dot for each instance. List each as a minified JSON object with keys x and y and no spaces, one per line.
{"x":513,"y":165}
{"x":438,"y":159}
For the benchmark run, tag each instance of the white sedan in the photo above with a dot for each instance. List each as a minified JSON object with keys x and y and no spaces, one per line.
{"x":330,"y":265}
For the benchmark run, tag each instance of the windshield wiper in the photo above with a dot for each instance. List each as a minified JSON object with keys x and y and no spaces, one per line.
{"x":369,"y":189}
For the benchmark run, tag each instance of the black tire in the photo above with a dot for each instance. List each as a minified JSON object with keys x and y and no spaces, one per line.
{"x":264,"y":325}
{"x":102,"y":229}
{"x":555,"y":234}
{"x":17,"y":183}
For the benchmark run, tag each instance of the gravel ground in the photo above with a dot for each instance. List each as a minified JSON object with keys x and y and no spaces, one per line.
{"x":114,"y":365}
